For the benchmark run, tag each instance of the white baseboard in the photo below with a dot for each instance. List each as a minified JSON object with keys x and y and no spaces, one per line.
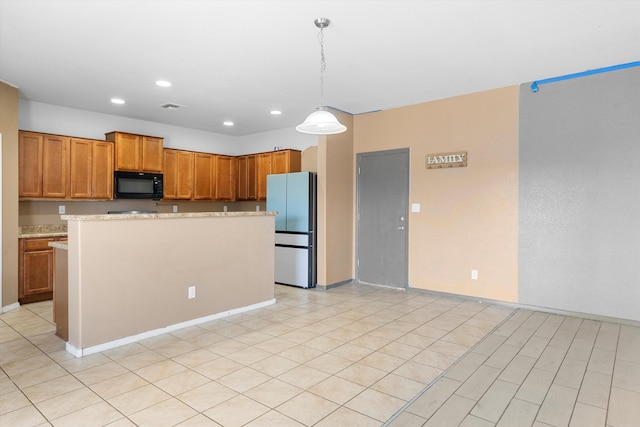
{"x":9,"y":307}
{"x":79,"y":352}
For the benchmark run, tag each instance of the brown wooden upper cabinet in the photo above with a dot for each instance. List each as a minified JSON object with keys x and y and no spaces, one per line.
{"x":178,"y":174}
{"x":204,"y":176}
{"x":91,"y":169}
{"x":275,"y":162}
{"x":43,"y":165}
{"x":263,"y":168}
{"x":285,"y":161}
{"x":226,"y":172}
{"x":138,"y":153}
{"x":247,"y":178}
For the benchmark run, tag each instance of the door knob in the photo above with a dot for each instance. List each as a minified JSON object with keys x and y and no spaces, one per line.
{"x":401,"y":227}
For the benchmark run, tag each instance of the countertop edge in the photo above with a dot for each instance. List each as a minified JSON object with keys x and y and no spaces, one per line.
{"x":104,"y":217}
{"x":41,"y":235}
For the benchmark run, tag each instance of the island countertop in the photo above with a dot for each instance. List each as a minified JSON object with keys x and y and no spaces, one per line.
{"x":104,"y":217}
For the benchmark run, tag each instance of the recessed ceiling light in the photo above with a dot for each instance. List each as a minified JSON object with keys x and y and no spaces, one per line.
{"x":276,"y":112}
{"x":228,"y":123}
{"x":163,"y":83}
{"x":117,"y":100}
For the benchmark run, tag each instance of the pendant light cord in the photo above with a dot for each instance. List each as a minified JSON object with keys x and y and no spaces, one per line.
{"x":321,"y":121}
{"x":323,"y":66}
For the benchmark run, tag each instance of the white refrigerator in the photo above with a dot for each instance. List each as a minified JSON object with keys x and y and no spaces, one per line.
{"x":293,"y":197}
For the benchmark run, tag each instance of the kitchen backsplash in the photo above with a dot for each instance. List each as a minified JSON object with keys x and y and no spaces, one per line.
{"x":39,"y":212}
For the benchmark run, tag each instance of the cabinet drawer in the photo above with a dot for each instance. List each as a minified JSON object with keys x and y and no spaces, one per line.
{"x":37,"y":244}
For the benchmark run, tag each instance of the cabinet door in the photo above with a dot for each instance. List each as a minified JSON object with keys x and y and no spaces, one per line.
{"x":280,"y":161}
{"x":55,"y":166}
{"x":204,"y":176}
{"x":102,"y":170}
{"x":38,"y":272}
{"x":252,"y":178}
{"x":81,"y":160}
{"x":151,"y":154}
{"x":170,"y":185}
{"x":178,"y":175}
{"x":286,"y":161}
{"x":225,"y":178}
{"x":263,"y":167}
{"x":30,"y":164}
{"x":184,"y":187}
{"x":35,"y":270}
{"x":242,"y":178}
{"x":127,"y":152}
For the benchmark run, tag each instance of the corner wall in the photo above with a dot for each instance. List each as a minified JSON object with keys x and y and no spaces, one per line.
{"x":468,"y":217}
{"x":9,"y":131}
{"x":580,"y":195}
{"x":336,"y":205}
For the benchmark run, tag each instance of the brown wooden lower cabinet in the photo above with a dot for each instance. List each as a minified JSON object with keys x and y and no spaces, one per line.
{"x":36,"y":269}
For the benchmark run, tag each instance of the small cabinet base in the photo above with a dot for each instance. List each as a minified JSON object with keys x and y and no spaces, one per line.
{"x":36,"y":269}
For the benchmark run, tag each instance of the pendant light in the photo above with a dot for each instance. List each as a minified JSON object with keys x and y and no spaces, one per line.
{"x":321,"y":122}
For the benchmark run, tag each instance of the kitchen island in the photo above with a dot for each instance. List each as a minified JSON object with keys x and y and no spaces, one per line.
{"x":134,"y":276}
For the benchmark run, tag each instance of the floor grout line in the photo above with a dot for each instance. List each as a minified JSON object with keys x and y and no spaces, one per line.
{"x":349,"y":314}
{"x":439,"y":377}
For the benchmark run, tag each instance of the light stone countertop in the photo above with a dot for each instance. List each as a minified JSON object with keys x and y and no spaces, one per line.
{"x":110,"y":217}
{"x":48,"y":230}
{"x":59,"y":245}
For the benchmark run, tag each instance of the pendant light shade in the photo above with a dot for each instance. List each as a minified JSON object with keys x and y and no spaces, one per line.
{"x":321,"y":122}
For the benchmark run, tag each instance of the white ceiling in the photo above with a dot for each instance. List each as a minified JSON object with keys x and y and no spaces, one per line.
{"x":237,"y":60}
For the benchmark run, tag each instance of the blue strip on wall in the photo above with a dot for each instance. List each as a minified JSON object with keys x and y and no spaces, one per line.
{"x":534,"y":85}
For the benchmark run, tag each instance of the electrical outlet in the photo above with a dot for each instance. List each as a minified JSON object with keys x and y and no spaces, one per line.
{"x":192,"y":292}
{"x":224,"y":208}
{"x":175,"y":208}
{"x":257,"y":208}
{"x":61,"y":209}
{"x":474,"y":274}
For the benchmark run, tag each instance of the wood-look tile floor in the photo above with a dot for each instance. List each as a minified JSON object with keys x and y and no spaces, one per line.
{"x":355,"y":355}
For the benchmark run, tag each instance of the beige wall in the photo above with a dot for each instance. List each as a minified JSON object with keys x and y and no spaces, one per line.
{"x":9,"y":131}
{"x":130,"y":276}
{"x":310,"y":159}
{"x":335,"y":205}
{"x":468,"y":217}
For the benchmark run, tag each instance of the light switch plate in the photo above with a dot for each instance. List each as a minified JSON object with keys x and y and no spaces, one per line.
{"x":61,"y":209}
{"x":415,"y":207}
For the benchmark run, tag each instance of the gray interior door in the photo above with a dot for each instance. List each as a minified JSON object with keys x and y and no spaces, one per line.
{"x":382,"y":206}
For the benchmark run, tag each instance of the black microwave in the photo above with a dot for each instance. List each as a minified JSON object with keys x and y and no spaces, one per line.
{"x":137,"y":185}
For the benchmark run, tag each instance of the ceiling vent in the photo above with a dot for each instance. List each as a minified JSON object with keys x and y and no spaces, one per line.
{"x":171,"y":106}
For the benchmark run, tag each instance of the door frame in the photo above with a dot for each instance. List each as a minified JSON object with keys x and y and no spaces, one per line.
{"x":407,"y":152}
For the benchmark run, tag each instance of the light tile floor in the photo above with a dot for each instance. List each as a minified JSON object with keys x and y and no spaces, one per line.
{"x":356,"y":355}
